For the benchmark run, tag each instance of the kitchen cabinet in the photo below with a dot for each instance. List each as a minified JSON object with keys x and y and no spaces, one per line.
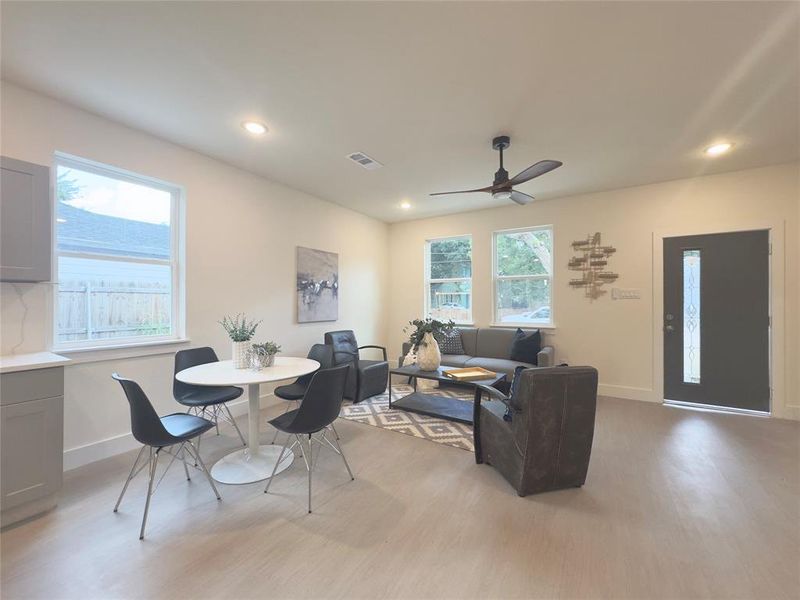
{"x":25,"y":221}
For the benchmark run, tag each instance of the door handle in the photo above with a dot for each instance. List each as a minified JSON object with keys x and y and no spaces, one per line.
{"x":669,"y":328}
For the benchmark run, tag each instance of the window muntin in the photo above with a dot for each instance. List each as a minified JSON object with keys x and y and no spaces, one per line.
{"x":448,"y":279}
{"x":523,"y":272}
{"x":116,"y":256}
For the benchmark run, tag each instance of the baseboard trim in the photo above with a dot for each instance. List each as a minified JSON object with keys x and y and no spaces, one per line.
{"x":119,"y":444}
{"x":627,"y":392}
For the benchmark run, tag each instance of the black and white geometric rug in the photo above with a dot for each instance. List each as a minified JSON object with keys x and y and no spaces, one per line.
{"x":375,"y":411}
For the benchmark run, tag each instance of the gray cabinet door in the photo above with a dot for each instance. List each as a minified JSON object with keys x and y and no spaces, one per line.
{"x":25,"y":238}
{"x":31,"y":449}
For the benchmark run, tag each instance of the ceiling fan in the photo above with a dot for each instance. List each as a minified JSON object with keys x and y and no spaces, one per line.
{"x":503,"y":187}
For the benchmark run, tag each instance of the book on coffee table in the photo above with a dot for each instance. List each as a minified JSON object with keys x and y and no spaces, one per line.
{"x":469,"y":374}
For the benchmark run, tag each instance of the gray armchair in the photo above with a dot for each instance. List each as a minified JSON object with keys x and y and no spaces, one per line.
{"x":547,"y":443}
{"x":366,"y":377}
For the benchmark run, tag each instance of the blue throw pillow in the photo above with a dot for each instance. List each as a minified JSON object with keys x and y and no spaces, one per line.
{"x":526,"y":346}
{"x":515,"y":379}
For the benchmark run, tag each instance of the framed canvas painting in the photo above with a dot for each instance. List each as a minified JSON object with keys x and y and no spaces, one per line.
{"x":317,"y":285}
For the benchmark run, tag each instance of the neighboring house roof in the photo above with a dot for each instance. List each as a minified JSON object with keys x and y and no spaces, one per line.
{"x":84,"y":231}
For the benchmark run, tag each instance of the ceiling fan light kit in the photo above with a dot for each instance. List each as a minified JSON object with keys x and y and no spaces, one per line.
{"x":503,"y":187}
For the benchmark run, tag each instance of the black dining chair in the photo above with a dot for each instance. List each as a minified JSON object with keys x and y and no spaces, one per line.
{"x":294,"y":392}
{"x":319,"y":408}
{"x":157,"y":435}
{"x":204,"y":401}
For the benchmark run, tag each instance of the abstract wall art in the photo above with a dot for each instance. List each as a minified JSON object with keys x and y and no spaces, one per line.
{"x":317,"y":285}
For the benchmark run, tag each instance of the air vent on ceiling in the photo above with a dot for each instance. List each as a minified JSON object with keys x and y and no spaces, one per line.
{"x":365,"y":161}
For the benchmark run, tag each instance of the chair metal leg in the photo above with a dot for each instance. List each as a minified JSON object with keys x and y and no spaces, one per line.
{"x":153,"y":465}
{"x":336,"y":433}
{"x":183,"y":460}
{"x":336,"y":441}
{"x":131,"y":475}
{"x":311,"y":468}
{"x":235,"y":426}
{"x":205,"y":470}
{"x":275,"y":468}
{"x":216,"y":418}
{"x":197,"y":449}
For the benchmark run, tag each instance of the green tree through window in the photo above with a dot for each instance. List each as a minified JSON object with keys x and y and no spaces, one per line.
{"x":523,"y":272}
{"x":448,"y":279}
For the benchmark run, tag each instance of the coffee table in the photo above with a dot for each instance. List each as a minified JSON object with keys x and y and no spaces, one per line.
{"x":435,"y":405}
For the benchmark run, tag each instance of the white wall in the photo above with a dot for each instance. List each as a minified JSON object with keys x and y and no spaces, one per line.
{"x":622,"y":338}
{"x":242,"y":231}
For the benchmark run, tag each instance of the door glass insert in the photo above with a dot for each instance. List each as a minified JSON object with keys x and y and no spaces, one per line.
{"x":691,"y":316}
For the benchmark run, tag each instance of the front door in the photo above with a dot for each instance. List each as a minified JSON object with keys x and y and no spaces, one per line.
{"x":716,"y":319}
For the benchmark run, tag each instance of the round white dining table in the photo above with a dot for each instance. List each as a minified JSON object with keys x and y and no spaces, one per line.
{"x":256,"y":462}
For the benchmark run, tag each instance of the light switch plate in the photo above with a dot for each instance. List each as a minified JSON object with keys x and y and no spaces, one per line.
{"x":625,"y":294}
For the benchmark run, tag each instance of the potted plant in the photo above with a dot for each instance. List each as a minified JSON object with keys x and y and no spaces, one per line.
{"x":263,"y":355}
{"x":423,"y":340}
{"x":241,"y":331}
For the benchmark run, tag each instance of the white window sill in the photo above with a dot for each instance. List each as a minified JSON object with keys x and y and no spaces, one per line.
{"x":121,"y":351}
{"x":547,"y":326}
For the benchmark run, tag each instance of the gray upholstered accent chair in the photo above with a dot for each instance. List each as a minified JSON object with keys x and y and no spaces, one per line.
{"x":547,"y":442}
{"x":366,"y":377}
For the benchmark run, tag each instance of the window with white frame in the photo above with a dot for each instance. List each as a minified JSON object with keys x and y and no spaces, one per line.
{"x":117,"y":249}
{"x":523,"y":273}
{"x":448,"y":279}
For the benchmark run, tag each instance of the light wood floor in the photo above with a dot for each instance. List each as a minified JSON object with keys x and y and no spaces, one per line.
{"x":678,"y":504}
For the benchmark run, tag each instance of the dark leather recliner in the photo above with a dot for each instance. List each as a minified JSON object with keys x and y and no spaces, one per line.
{"x":548,"y":441}
{"x":366,"y":377}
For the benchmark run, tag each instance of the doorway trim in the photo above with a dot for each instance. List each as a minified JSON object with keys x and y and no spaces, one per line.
{"x":777,"y":306}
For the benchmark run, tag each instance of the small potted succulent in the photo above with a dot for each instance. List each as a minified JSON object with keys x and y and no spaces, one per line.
{"x":263,"y":355}
{"x":241,"y":331}
{"x":423,"y":341}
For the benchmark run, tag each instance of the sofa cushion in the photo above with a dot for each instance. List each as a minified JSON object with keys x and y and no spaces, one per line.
{"x":469,"y":339}
{"x":455,"y":360}
{"x":498,"y":365}
{"x":526,"y":346}
{"x":450,"y":343}
{"x":494,"y":343}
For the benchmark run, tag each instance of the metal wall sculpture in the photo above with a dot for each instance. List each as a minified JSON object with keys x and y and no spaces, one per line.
{"x":591,"y":260}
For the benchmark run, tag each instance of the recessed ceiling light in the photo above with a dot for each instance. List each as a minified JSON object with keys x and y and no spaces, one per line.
{"x":254,"y":127}
{"x":718,"y":149}
{"x":405,"y":205}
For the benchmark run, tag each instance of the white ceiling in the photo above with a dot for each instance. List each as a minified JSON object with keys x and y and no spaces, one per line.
{"x":624,"y":93}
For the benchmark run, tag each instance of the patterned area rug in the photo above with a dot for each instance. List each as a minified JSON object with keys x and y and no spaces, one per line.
{"x":375,"y":411}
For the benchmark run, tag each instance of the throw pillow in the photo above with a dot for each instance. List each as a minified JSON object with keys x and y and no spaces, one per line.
{"x":512,"y":401}
{"x":526,"y":346}
{"x":450,"y":343}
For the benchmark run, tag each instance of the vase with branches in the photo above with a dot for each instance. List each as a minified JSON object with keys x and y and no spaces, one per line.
{"x":422,"y":337}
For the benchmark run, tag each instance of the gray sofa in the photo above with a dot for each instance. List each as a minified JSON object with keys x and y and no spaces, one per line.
{"x":490,"y":348}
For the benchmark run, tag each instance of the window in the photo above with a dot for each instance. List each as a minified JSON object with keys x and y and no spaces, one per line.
{"x":116,"y":255}
{"x":448,"y":279}
{"x":523,"y":272}
{"x":691,"y":316}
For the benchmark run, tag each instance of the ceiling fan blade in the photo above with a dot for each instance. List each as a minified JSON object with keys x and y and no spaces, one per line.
{"x":486,"y":189}
{"x":521,"y":198}
{"x":540,"y":168}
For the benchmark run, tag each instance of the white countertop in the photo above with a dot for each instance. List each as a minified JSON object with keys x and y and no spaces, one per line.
{"x":29,"y":362}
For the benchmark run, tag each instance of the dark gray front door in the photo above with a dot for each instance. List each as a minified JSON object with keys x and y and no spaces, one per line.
{"x":716,"y":319}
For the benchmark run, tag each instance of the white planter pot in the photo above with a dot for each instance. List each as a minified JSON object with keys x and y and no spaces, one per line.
{"x":429,"y":357}
{"x":239,"y":354}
